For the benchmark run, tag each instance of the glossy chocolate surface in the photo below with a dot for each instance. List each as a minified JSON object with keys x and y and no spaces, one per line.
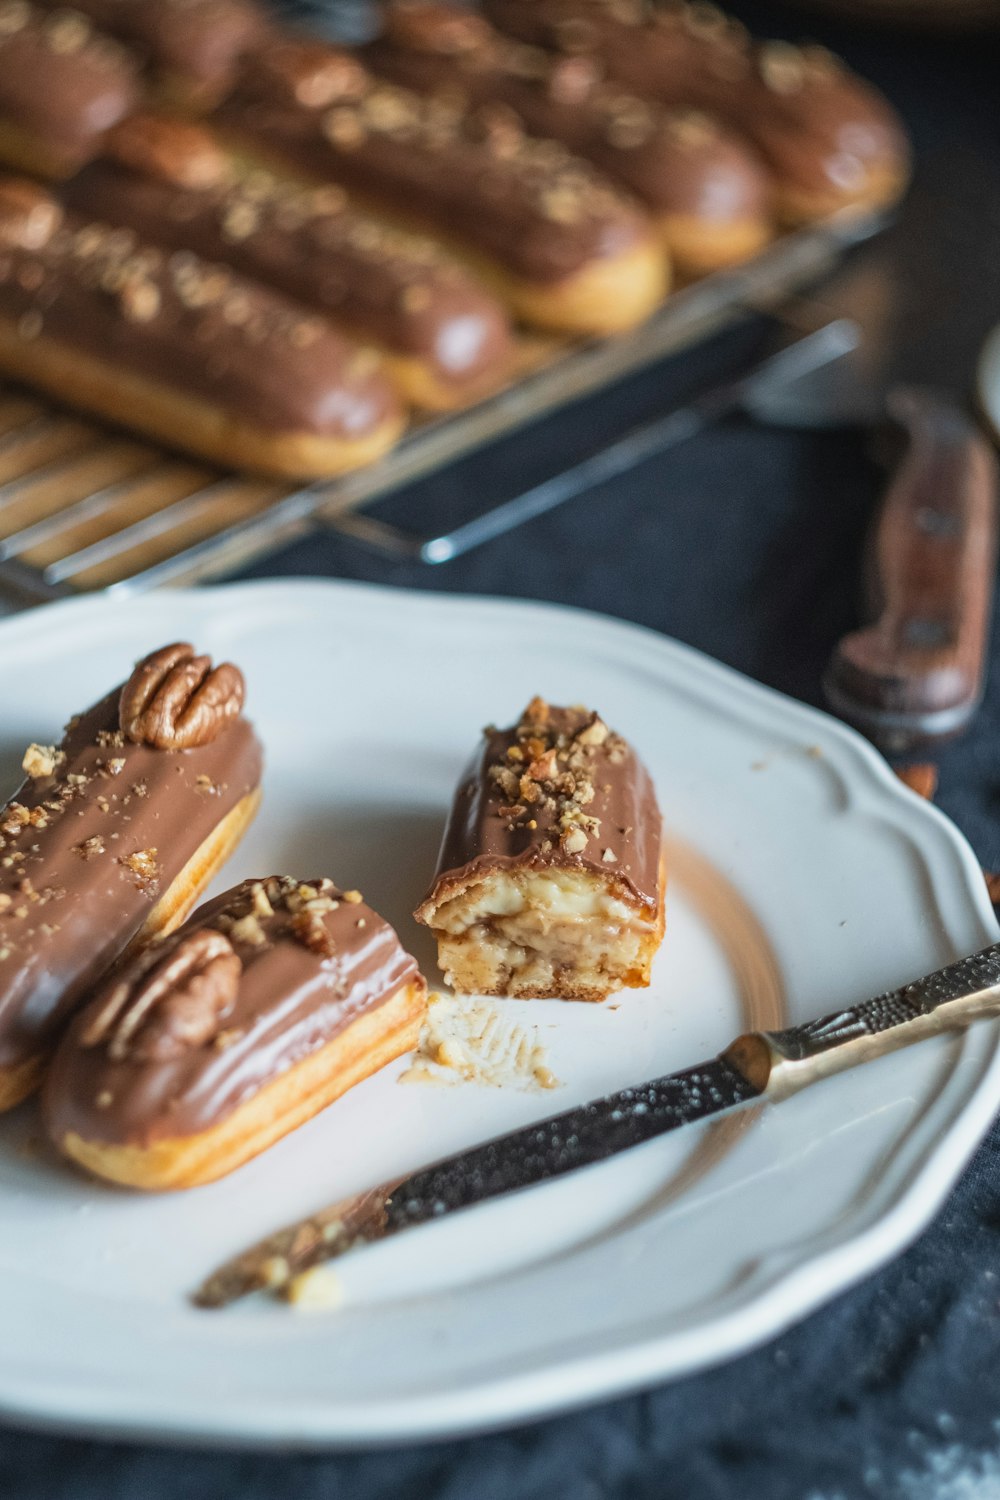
{"x":674,"y":161}
{"x":188,"y":323}
{"x":528,"y":204}
{"x":60,"y":82}
{"x":597,"y":812}
{"x":816,"y":124}
{"x":397,"y":290}
{"x":291,"y":1000}
{"x":86,"y":852}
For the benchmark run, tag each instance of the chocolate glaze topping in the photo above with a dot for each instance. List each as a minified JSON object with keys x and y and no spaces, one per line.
{"x":90,"y":841}
{"x":558,"y":790}
{"x":816,"y":124}
{"x":199,"y":40}
{"x":182,"y":320}
{"x":311,"y":959}
{"x":525,"y":203}
{"x":60,"y":81}
{"x":674,"y":161}
{"x":174,"y":186}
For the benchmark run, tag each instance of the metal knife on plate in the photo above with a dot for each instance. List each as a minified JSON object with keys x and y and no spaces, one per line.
{"x":759,"y":1067}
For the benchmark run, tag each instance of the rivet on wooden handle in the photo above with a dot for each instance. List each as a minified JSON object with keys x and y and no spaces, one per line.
{"x":916,"y":672}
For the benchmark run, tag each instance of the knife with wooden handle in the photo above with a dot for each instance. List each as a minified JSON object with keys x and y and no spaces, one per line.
{"x":760,"y":1067}
{"x":915,"y":674}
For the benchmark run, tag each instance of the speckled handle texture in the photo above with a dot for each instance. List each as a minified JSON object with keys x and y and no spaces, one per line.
{"x":949,"y":999}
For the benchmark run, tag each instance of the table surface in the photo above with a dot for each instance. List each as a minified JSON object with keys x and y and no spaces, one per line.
{"x":745,"y":543}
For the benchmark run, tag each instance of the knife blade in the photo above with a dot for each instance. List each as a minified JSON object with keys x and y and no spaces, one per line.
{"x":766,"y":1066}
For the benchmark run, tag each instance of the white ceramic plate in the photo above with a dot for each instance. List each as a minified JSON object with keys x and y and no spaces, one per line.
{"x":804,"y":878}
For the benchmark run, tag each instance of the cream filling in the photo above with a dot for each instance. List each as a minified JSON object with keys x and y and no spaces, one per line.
{"x":535,"y":924}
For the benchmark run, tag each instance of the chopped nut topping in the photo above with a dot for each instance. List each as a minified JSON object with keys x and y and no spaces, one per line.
{"x":227,"y":1037}
{"x":140,"y":301}
{"x":354,"y":897}
{"x":142,"y":864}
{"x":41,"y":760}
{"x":573,"y":840}
{"x":90,"y":848}
{"x":261,"y":903}
{"x":782,"y":67}
{"x":343,"y":128}
{"x":311,"y":930}
{"x":248,"y":930}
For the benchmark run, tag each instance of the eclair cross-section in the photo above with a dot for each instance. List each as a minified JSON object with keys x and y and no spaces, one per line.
{"x":550,"y":880}
{"x":112,"y":837}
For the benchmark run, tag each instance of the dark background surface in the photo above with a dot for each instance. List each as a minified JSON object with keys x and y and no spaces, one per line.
{"x":747,"y":544}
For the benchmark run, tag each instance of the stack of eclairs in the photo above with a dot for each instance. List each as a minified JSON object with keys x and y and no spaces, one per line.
{"x":271,"y":250}
{"x":171,"y":1043}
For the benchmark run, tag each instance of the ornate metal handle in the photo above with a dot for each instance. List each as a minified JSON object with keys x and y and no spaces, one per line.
{"x":780,"y":1063}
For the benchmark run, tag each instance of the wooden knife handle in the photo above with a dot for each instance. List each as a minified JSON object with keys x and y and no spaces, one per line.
{"x":916,"y":673}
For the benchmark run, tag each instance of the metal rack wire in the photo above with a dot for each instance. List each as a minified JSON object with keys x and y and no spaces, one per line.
{"x":85,"y":507}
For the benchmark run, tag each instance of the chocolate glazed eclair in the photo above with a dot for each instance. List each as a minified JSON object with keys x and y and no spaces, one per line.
{"x":62,"y":85}
{"x":706,"y":189}
{"x":566,"y":249}
{"x":215,"y":1042}
{"x":551,"y":878}
{"x":444,"y":338}
{"x":112,"y":837}
{"x":183,"y":350}
{"x":830,"y":139}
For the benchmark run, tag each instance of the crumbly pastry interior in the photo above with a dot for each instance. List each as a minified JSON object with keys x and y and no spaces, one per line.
{"x":550,"y":880}
{"x":534,"y":933}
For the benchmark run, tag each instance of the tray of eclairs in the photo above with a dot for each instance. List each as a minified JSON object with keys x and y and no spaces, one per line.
{"x":278,"y":254}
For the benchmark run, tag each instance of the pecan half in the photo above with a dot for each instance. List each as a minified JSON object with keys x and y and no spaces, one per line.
{"x":175,"y":700}
{"x":166,"y":1003}
{"x":177,"y":152}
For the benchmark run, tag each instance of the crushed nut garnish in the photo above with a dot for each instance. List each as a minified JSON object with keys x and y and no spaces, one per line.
{"x":248,"y":930}
{"x":142,"y":864}
{"x":261,"y":905}
{"x":354,"y":897}
{"x":91,"y":847}
{"x":311,"y":931}
{"x":41,"y":760}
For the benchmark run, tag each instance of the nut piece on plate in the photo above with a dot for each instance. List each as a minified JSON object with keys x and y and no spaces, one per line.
{"x":219,"y":1039}
{"x":550,"y":880}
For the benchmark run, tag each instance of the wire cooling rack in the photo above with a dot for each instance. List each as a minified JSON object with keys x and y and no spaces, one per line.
{"x":84,"y":506}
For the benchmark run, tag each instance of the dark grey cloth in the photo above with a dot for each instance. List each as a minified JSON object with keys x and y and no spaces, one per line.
{"x":746,"y":544}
